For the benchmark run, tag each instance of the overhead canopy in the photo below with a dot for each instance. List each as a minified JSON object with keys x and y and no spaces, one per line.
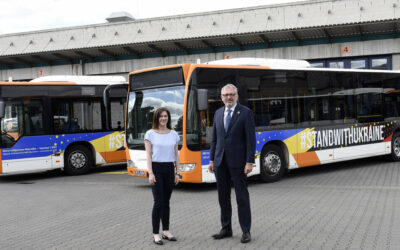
{"x":294,"y":24}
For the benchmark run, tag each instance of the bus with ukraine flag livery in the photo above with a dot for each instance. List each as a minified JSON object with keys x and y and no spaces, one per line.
{"x":304,"y":116}
{"x":62,"y":122}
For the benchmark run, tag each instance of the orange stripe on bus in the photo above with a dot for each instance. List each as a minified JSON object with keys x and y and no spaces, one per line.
{"x":113,"y":156}
{"x":1,"y":164}
{"x":193,"y":66}
{"x":389,"y":138}
{"x":36,"y":83}
{"x":307,"y":159}
{"x":116,"y":156}
{"x":221,"y":66}
{"x":156,"y":68}
{"x":187,"y":156}
{"x":127,"y":155}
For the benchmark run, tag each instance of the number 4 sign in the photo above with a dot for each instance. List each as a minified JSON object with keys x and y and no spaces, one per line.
{"x":346,"y":49}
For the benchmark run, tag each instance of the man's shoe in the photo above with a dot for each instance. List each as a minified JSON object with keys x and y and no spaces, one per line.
{"x":224,"y":233}
{"x":246,"y":237}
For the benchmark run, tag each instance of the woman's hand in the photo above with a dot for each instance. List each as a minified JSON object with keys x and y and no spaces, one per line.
{"x":152,"y":179}
{"x":177,"y":179}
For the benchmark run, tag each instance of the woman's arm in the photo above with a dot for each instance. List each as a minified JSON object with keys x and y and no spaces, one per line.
{"x":178,"y":168}
{"x":147,"y":146}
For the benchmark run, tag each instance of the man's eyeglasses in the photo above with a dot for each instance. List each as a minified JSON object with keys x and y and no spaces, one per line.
{"x":228,"y":95}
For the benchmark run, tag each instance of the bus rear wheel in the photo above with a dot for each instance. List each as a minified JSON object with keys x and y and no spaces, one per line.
{"x":272,"y":163}
{"x":395,"y":155}
{"x":78,"y":160}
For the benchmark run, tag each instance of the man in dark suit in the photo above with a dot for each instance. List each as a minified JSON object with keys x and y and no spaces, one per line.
{"x":232,"y":158}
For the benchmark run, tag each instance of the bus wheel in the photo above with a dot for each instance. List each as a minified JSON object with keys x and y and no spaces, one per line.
{"x":78,"y":160}
{"x":395,"y":155}
{"x":272,"y":164}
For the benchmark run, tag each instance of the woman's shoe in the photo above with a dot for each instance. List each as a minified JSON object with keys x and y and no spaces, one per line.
{"x":168,"y":238}
{"x":158,"y":242}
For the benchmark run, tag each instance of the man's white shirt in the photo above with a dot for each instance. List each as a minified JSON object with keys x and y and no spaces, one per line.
{"x":226,"y":113}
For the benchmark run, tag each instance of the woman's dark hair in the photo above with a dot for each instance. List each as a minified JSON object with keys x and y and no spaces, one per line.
{"x":156,"y":118}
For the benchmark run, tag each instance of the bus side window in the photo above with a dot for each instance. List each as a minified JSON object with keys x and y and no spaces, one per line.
{"x":33,"y":117}
{"x":269,"y":94}
{"x":369,"y":98}
{"x":391,"y":97}
{"x":317,"y":98}
{"x":60,"y":115}
{"x":87,"y":114}
{"x":117,"y":108}
{"x":71,"y":126}
{"x":342,"y":87}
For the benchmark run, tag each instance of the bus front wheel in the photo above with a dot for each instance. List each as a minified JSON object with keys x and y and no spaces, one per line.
{"x":272,"y":163}
{"x":78,"y":160}
{"x":395,"y":155}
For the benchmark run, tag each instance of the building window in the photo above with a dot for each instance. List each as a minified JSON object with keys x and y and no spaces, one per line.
{"x":336,"y":64}
{"x":320,"y":64}
{"x":379,"y":63}
{"x":358,"y":64}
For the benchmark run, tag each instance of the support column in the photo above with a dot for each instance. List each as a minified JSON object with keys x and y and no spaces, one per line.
{"x":396,"y":61}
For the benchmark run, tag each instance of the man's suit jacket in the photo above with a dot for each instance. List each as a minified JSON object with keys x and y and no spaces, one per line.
{"x":238,"y":143}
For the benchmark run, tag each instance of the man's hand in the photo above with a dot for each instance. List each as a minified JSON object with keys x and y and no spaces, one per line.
{"x":248,"y":168}
{"x":211,"y":167}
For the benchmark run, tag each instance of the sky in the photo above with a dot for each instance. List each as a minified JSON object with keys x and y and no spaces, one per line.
{"x":30,"y":15}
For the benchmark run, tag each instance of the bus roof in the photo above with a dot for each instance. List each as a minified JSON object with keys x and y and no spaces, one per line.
{"x":83,"y":80}
{"x":266,"y":62}
{"x":36,"y":83}
{"x":288,"y":64}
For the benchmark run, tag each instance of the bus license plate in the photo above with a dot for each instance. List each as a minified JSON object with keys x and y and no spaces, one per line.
{"x":140,"y":173}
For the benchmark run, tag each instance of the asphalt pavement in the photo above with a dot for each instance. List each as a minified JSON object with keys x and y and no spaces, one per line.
{"x":351,"y":205}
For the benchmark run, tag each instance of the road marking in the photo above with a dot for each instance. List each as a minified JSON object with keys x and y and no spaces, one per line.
{"x":115,"y":172}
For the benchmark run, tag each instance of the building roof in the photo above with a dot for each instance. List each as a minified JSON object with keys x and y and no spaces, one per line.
{"x":295,"y":23}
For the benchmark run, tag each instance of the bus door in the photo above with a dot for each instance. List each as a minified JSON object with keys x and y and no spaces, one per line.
{"x":114,"y":99}
{"x":115,"y":141}
{"x":24,"y":146}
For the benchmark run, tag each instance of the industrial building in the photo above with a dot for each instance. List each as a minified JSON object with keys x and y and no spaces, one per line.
{"x":327,"y":33}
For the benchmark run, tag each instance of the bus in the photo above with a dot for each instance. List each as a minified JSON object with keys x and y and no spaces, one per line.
{"x":62,"y":122}
{"x":303,"y":116}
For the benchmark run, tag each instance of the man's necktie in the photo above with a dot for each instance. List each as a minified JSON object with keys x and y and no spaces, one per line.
{"x":227,"y":120}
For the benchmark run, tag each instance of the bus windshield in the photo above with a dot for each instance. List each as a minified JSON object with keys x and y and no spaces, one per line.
{"x":141,"y":108}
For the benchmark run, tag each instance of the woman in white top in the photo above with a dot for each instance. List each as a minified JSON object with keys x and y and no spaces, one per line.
{"x":161,"y":143}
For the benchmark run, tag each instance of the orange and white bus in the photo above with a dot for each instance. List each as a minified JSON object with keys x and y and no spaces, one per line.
{"x":61,"y":122}
{"x":304,"y":116}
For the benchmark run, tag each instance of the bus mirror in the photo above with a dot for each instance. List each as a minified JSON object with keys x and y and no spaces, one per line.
{"x":202,"y":99}
{"x":2,"y":108}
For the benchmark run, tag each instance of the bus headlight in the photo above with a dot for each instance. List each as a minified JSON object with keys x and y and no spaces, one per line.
{"x":130,"y":164}
{"x":187,"y":167}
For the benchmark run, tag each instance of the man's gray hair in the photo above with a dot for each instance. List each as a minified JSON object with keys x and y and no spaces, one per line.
{"x":229,"y":86}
